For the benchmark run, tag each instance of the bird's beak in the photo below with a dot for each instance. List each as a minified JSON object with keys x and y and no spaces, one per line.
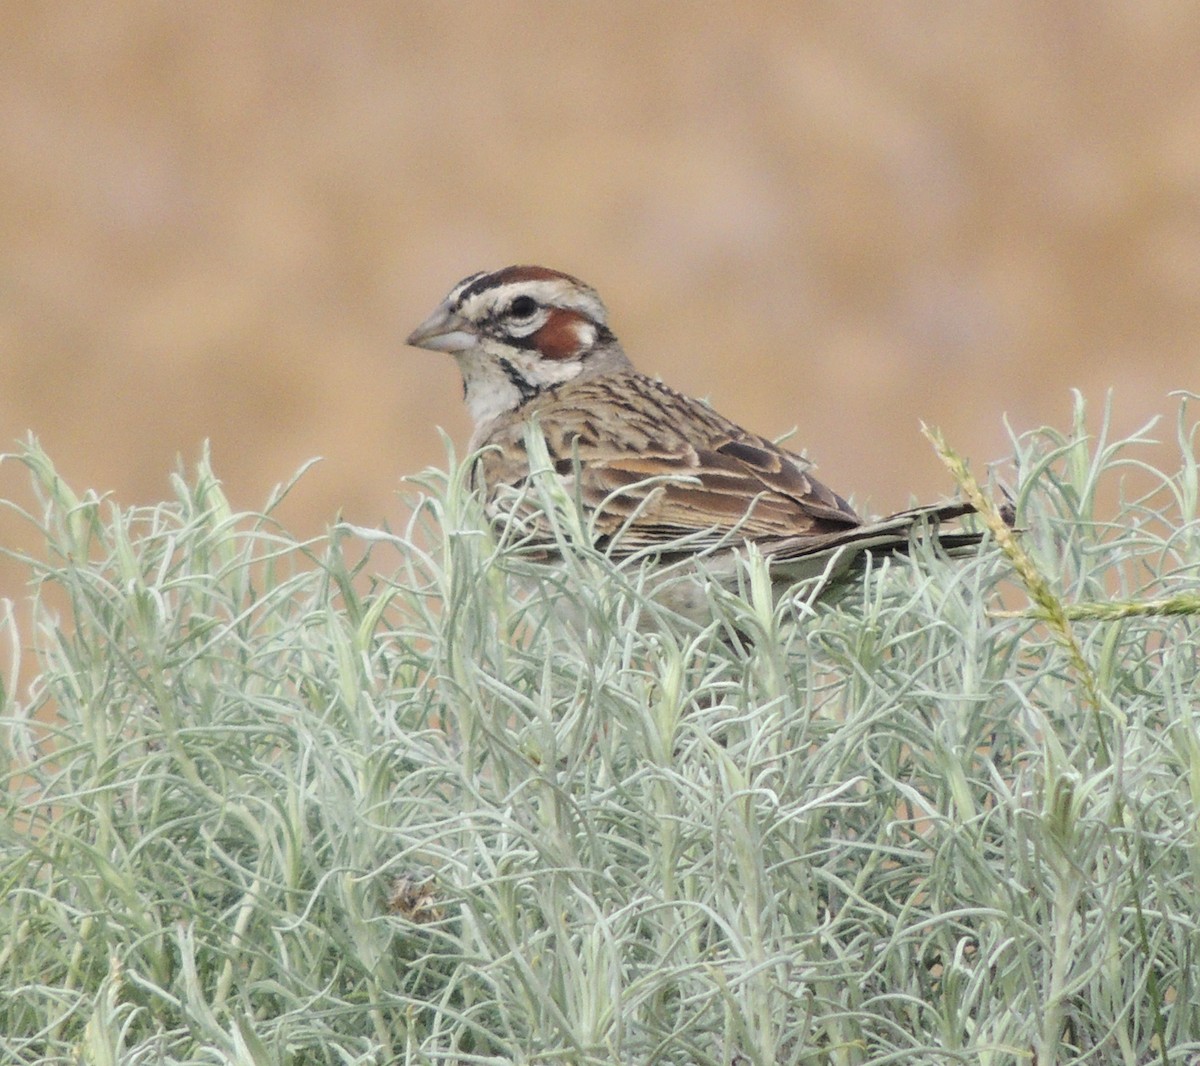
{"x":443,"y":331}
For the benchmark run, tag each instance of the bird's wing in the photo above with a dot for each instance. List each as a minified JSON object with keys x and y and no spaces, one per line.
{"x":667,"y":466}
{"x":652,"y":498}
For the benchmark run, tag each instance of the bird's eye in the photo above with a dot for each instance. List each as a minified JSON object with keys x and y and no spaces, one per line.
{"x":523,"y":307}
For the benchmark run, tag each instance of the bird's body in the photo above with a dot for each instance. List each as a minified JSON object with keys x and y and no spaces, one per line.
{"x":721,"y":477}
{"x":649,"y":464}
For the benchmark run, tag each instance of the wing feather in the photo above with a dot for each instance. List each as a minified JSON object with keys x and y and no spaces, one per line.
{"x":667,"y":466}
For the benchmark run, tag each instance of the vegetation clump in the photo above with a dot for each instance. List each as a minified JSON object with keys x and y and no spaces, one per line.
{"x":355,"y":800}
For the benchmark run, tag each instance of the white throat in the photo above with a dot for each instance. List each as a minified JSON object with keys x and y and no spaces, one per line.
{"x":491,"y":390}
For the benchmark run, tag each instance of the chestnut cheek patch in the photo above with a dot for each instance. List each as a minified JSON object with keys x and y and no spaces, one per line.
{"x":565,"y":335}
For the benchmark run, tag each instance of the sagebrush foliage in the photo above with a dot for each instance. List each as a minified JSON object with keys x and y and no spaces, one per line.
{"x":354,"y":801}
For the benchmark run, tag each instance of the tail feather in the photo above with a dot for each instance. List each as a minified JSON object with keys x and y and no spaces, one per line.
{"x":894,"y":535}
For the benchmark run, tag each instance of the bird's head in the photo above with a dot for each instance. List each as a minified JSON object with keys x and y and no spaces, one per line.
{"x":517,"y":332}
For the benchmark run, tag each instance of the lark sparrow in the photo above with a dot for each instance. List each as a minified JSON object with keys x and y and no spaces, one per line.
{"x":649,"y":464}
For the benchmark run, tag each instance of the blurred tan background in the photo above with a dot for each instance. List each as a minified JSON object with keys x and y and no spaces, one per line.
{"x":219,"y":220}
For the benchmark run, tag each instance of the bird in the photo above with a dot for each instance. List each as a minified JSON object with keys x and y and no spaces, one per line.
{"x":654,"y":470}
